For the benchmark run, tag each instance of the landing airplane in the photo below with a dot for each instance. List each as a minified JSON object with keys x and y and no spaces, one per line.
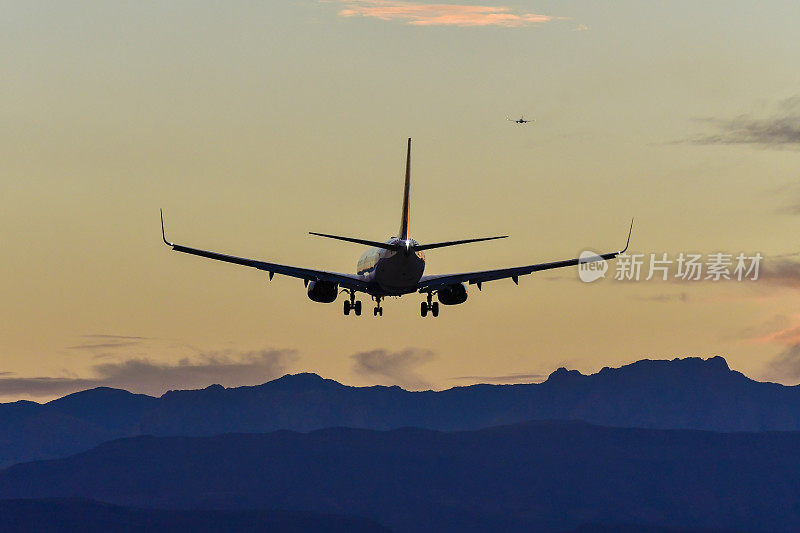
{"x":392,"y":268}
{"x":520,"y":120}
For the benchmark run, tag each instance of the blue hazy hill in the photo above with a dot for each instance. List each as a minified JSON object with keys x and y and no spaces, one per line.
{"x":537,"y":476}
{"x":689,"y":393}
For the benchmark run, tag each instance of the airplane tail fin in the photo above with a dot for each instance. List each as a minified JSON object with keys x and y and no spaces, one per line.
{"x":405,"y":230}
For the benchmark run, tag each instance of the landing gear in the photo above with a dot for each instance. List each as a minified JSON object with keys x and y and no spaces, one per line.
{"x":352,"y":304}
{"x":378,"y":311}
{"x":430,"y":305}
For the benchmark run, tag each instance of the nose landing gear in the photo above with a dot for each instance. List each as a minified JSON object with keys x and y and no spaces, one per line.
{"x":378,"y":311}
{"x":430,"y":305}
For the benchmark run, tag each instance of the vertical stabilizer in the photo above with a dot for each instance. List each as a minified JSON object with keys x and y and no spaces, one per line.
{"x":405,"y":221}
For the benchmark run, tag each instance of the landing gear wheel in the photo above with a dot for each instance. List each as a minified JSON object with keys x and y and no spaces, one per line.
{"x":346,"y":307}
{"x":380,"y":311}
{"x":423,"y":309}
{"x":357,"y":308}
{"x":435,"y":309}
{"x":375,"y":311}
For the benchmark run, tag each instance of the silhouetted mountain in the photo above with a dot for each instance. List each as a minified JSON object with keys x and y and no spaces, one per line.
{"x":86,"y":516}
{"x":545,"y":476}
{"x":76,"y":422}
{"x":680,"y":394}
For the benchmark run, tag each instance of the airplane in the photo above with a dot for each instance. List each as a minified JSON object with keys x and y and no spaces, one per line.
{"x":520,"y":120}
{"x":394,"y":267}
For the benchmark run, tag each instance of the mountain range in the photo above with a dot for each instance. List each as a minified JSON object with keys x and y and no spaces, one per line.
{"x":690,"y":393}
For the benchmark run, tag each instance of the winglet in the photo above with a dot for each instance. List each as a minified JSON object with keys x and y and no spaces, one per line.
{"x":629,"y":239}
{"x":163,"y":235}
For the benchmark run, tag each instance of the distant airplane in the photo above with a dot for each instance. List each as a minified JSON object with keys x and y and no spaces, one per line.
{"x":520,"y":120}
{"x":391,"y":268}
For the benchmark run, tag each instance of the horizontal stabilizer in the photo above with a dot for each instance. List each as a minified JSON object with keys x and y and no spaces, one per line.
{"x":365,"y":242}
{"x":454,"y":243}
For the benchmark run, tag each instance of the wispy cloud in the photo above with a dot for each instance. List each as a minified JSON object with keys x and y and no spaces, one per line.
{"x":400,"y":368}
{"x":784,"y":332}
{"x":104,"y":341}
{"x":783,"y":272}
{"x":789,"y":196}
{"x":152,"y":377}
{"x":508,"y":378}
{"x":421,"y":14}
{"x":682,"y":297}
{"x":89,"y":346}
{"x":779,"y":130}
{"x":786,"y":366}
{"x":117,"y":337}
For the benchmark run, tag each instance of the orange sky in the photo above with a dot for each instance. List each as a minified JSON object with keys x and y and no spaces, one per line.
{"x":252,"y":124}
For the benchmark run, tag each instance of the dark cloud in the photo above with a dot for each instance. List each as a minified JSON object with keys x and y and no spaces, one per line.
{"x":44,"y":386}
{"x":509,"y":378}
{"x":151,"y":377}
{"x":782,"y":129}
{"x":783,"y":271}
{"x":398,"y":367}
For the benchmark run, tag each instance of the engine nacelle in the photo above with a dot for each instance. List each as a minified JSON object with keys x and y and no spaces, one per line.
{"x":323,"y":291}
{"x":452,"y":294}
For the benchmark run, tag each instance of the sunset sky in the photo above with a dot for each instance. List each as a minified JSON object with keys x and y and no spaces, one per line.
{"x":253,"y":123}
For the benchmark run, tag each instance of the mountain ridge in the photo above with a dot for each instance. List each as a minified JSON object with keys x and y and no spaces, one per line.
{"x":687,"y":393}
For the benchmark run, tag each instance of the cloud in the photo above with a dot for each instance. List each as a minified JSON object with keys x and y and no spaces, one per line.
{"x":781,"y":130}
{"x":102,"y":345}
{"x":663,"y":298}
{"x":119,"y":337}
{"x":783,"y":331}
{"x":155,"y":378}
{"x":102,"y":341}
{"x":509,"y":378}
{"x":786,"y":366}
{"x":782,"y":271}
{"x":398,"y":367}
{"x":419,"y":14}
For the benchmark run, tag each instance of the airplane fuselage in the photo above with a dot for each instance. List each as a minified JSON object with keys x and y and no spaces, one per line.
{"x":392,"y":273}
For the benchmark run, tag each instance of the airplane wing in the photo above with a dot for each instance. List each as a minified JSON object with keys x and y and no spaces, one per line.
{"x":429,"y":283}
{"x":349,"y":281}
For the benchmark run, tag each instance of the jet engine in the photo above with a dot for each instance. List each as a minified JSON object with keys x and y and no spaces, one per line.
{"x":452,"y":294}
{"x":323,"y":291}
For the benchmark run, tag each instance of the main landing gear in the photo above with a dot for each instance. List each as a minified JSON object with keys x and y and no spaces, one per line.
{"x":378,"y":311}
{"x":352,"y":304}
{"x":355,"y":305}
{"x":431,"y":306}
